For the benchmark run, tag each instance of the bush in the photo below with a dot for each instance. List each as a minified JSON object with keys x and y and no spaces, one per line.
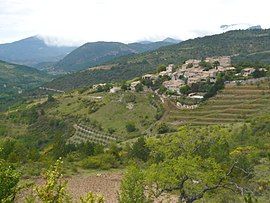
{"x":9,"y":179}
{"x":132,"y":186}
{"x":185,"y":89}
{"x":130,"y":127}
{"x":140,"y":150}
{"x":128,"y":98}
{"x":163,"y":128}
{"x":102,"y":161}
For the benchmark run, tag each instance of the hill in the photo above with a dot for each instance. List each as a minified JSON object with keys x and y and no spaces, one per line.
{"x":240,"y":43}
{"x":15,"y":79}
{"x":95,"y":53}
{"x":31,"y":51}
{"x":234,"y":104}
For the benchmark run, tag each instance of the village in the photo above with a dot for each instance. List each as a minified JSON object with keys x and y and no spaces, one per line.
{"x":186,"y":84}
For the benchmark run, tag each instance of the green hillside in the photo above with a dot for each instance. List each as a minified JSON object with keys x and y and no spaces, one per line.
{"x":234,"y":104}
{"x":243,"y":42}
{"x":16,"y":79}
{"x":95,"y":53}
{"x":31,"y":51}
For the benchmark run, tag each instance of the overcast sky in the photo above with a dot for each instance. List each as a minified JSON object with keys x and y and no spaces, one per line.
{"x":125,"y":20}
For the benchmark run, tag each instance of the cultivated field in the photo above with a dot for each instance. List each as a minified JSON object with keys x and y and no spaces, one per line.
{"x":233,"y":104}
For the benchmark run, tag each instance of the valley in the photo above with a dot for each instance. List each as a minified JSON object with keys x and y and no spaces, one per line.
{"x":187,"y":122}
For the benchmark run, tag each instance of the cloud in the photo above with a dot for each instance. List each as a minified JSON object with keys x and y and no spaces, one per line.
{"x":77,"y":21}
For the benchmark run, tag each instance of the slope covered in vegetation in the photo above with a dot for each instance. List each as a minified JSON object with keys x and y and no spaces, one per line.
{"x":96,"y":53}
{"x":16,"y":79}
{"x":234,"y":104}
{"x":243,"y":42}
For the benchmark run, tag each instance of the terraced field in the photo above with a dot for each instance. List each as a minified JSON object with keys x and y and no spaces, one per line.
{"x":86,"y":134}
{"x":233,"y":104}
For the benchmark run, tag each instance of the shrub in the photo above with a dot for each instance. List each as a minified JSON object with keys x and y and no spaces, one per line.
{"x":9,"y":179}
{"x":102,"y":161}
{"x":132,"y":186}
{"x":130,"y":127}
{"x":163,"y":128}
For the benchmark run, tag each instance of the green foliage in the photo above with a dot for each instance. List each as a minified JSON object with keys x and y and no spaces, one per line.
{"x":139,"y":150}
{"x":130,"y":98}
{"x":206,"y":65}
{"x":219,"y":84}
{"x":216,"y":64}
{"x":163,"y":128}
{"x":54,"y":188}
{"x":9,"y":179}
{"x":190,"y":65}
{"x":130,"y":127}
{"x":92,"y":54}
{"x":124,"y":86}
{"x":161,"y":67}
{"x":185,"y":89}
{"x":50,"y":98}
{"x":258,"y":73}
{"x":92,"y":198}
{"x":128,"y":67}
{"x":139,"y":87}
{"x":132,"y":186}
{"x":103,"y":161}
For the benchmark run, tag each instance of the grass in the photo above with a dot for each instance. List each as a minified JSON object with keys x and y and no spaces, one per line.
{"x":113,"y":111}
{"x":232,"y":105}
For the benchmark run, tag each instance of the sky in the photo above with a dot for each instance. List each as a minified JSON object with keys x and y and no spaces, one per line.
{"x":69,"y":22}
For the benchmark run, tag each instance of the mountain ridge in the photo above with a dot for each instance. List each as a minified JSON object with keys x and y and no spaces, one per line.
{"x":31,"y":51}
{"x":96,"y":53}
{"x":231,"y":43}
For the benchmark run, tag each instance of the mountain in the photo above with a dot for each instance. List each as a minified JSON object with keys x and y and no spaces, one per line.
{"x":31,"y":51}
{"x":17,"y":78}
{"x":92,"y":54}
{"x":171,"y":40}
{"x":240,"y":26}
{"x":237,"y":43}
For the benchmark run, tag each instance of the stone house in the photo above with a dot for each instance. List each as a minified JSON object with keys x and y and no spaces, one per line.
{"x":247,"y":71}
{"x":173,"y":85}
{"x":115,"y":89}
{"x":133,"y":85}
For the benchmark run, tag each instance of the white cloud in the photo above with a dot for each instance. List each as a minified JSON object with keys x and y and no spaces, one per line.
{"x":124,"y":20}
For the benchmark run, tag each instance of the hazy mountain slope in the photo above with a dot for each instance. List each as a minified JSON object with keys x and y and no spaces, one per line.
{"x":242,"y":42}
{"x":91,"y":54}
{"x":32,"y":50}
{"x":15,"y":78}
{"x":95,"y":53}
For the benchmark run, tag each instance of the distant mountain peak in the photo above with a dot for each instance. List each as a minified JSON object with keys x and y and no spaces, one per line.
{"x":171,"y":40}
{"x":240,"y":26}
{"x":31,"y":51}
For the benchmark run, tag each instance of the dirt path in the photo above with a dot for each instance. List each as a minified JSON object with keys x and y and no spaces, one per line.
{"x":105,"y":184}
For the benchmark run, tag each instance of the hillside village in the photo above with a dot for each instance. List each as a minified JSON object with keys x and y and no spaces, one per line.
{"x":191,"y":80}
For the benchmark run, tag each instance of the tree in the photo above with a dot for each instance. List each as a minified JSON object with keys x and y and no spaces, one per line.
{"x":92,"y":198}
{"x":130,"y":127}
{"x":139,"y":87}
{"x":50,"y":98}
{"x":216,"y":64}
{"x":140,"y":150}
{"x":195,"y":162}
{"x":258,"y":73}
{"x":190,"y":65}
{"x":161,"y":68}
{"x":54,"y":189}
{"x":9,"y":179}
{"x":185,"y":89}
{"x":163,"y":128}
{"x":132,"y":186}
{"x":124,"y":86}
{"x":162,"y":89}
